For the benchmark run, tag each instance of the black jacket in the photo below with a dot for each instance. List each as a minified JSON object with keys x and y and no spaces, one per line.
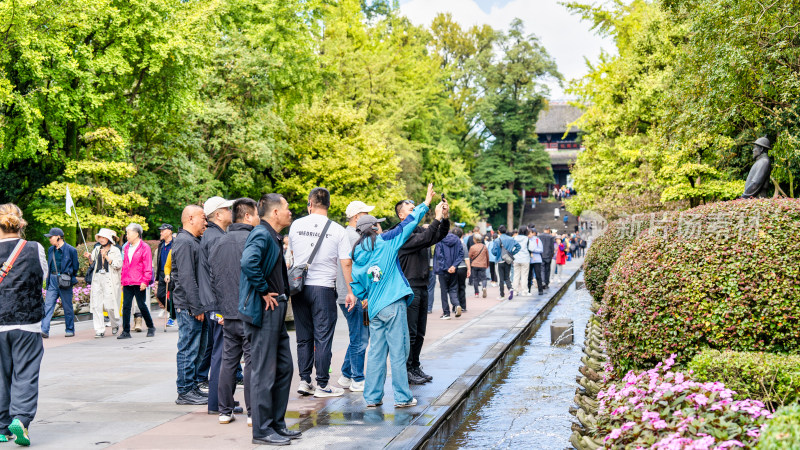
{"x":415,"y":254}
{"x":226,"y":270}
{"x":548,"y":244}
{"x":210,"y":237}
{"x":185,"y":262}
{"x":21,"y":290}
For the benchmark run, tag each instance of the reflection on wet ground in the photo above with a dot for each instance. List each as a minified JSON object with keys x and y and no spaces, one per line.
{"x":529,"y":407}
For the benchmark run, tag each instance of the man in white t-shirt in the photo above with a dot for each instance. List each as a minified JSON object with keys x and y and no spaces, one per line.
{"x":315,"y":307}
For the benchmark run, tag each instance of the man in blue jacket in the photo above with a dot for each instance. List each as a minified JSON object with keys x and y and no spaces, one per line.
{"x":62,"y":259}
{"x":505,"y":241}
{"x":263,"y":295}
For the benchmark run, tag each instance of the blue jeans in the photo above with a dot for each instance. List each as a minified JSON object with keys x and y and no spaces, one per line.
{"x":431,"y":288}
{"x":388,"y":332}
{"x":54,"y":293}
{"x":353,"y":365}
{"x":191,"y":347}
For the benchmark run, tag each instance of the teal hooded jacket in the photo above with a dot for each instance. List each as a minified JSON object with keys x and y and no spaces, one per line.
{"x":377,"y":275}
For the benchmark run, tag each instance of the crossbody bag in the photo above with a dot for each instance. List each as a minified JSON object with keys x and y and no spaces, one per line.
{"x":298,"y":273}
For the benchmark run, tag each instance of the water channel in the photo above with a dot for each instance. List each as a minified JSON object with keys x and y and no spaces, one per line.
{"x":528,"y":408}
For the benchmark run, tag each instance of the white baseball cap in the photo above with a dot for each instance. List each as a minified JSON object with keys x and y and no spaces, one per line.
{"x":215,"y":203}
{"x":357,"y":207}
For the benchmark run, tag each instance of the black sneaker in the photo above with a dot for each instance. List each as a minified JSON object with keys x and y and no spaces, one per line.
{"x":421,"y":374}
{"x":191,"y":398}
{"x":124,"y":335}
{"x":414,"y":379}
{"x":200,"y":393}
{"x":151,"y":332}
{"x":203,"y":386}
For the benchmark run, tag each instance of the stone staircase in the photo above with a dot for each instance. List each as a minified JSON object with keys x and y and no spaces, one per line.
{"x":542,"y":215}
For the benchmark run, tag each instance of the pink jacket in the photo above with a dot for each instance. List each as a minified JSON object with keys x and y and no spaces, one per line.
{"x":140,"y":269}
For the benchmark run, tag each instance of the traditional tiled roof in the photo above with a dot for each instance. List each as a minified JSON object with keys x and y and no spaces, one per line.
{"x":556,"y":118}
{"x":562,"y":156}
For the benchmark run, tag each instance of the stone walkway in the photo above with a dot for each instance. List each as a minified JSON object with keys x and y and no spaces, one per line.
{"x":97,"y":393}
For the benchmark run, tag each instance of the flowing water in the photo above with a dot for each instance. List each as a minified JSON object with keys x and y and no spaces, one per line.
{"x":528,"y":408}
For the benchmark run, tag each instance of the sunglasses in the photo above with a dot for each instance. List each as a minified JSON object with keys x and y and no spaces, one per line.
{"x":409,"y":201}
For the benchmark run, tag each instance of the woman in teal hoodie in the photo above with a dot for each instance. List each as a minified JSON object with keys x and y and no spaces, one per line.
{"x":379,"y":280}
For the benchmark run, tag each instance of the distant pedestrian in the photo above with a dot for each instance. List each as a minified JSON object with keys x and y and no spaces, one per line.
{"x":447,"y":255}
{"x":536,"y":248}
{"x":164,"y":283}
{"x":505,"y":243}
{"x":522,"y":262}
{"x":490,"y":242}
{"x":548,"y":249}
{"x":106,"y":284}
{"x":137,"y":273}
{"x":20,"y":325}
{"x":479,"y":262}
{"x":561,"y":257}
{"x":62,"y":260}
{"x":463,"y":271}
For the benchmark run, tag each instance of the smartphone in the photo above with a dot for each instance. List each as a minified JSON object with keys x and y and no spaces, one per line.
{"x":443,"y":199}
{"x":281,"y":298}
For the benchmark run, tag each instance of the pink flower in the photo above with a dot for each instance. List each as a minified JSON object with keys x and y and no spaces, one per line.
{"x":628,"y":425}
{"x":659,"y":424}
{"x":754,"y":433}
{"x":615,"y":433}
{"x":731,"y":443}
{"x":650,"y":415}
{"x":701,"y":399}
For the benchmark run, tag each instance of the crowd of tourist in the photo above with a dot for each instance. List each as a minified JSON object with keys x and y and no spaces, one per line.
{"x":226,"y":277}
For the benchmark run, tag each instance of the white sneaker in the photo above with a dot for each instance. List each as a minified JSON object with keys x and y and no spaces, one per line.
{"x":528,"y":293}
{"x":344,"y":382}
{"x":357,"y":386}
{"x":494,"y":284}
{"x":249,"y":421}
{"x":226,"y":418}
{"x":305,"y":388}
{"x":328,"y":391}
{"x":413,"y":402}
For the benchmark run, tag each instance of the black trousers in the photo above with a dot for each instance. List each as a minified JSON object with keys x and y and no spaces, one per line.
{"x":447,"y":284}
{"x":234,"y":345}
{"x":531,"y":275}
{"x":461,"y":272}
{"x":537,"y":267}
{"x":493,"y":271}
{"x":271,"y":372}
{"x":128,"y":294}
{"x":215,"y":343}
{"x":504,"y":277}
{"x":546,"y":271}
{"x":205,"y":364}
{"x":417,"y":323}
{"x":19,"y":376}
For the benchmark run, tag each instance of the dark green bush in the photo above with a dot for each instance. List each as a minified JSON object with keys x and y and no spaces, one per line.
{"x":605,"y":250}
{"x":782,"y":431}
{"x":771,"y":378}
{"x":723,"y":275}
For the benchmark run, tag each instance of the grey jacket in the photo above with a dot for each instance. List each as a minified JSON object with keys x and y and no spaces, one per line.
{"x":210,"y":237}
{"x":185,"y":262}
{"x":226,"y":270}
{"x":548,"y":245}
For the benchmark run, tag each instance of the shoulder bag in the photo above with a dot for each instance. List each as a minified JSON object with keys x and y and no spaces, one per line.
{"x":298,"y":273}
{"x":11,"y":259}
{"x":64,"y":280}
{"x":505,"y":255}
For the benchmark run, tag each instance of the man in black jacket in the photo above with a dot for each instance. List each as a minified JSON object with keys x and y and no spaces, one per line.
{"x":224,"y":273}
{"x":548,"y":244}
{"x":162,"y":285}
{"x":186,"y":297}
{"x":415,"y":257}
{"x":218,"y":216}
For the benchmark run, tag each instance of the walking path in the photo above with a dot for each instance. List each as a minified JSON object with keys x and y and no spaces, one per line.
{"x":104,"y":392}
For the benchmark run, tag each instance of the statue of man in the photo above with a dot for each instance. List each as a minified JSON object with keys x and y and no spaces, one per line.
{"x":758,"y":178}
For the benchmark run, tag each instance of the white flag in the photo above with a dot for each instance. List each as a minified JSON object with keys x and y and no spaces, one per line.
{"x":70,"y":203}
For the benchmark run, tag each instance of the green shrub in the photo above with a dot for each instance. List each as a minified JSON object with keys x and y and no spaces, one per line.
{"x":771,"y":378}
{"x":723,"y":275}
{"x":603,"y":253}
{"x":782,"y":431}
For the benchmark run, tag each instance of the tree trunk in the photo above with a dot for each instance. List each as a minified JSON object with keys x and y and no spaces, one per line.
{"x":522,"y":207}
{"x":510,"y":207}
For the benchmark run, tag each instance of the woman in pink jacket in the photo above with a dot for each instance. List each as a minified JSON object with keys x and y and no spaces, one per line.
{"x":137,"y":274}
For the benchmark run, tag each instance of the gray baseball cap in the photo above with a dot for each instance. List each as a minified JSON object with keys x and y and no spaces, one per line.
{"x":366,"y":222}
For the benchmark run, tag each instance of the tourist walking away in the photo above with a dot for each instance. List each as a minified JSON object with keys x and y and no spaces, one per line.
{"x":186,"y":297}
{"x":535,"y":248}
{"x":263,"y":296}
{"x":522,"y":262}
{"x":463,"y":270}
{"x":379,"y":280}
{"x":23,"y":271}
{"x":548,"y":246}
{"x":137,"y":274}
{"x":561,"y":257}
{"x":490,"y":242}
{"x":314,"y":307}
{"x":62,"y":260}
{"x":225,"y":271}
{"x":218,"y":217}
{"x":415,"y":256}
{"x":447,"y":255}
{"x":164,"y":283}
{"x":353,"y":365}
{"x":106,"y":268}
{"x":504,"y":250}
{"x":479,"y":262}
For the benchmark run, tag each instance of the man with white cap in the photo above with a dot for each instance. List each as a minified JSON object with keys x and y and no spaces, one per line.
{"x":219,"y":216}
{"x":106,"y":287}
{"x":353,"y":366}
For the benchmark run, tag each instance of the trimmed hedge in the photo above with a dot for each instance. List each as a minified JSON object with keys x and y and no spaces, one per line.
{"x":723,"y":275}
{"x":771,"y":378}
{"x":782,"y":431}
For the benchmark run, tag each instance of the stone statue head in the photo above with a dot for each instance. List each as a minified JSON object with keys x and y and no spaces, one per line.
{"x":760,"y":146}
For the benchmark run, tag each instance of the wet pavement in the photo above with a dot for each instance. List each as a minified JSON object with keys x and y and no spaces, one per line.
{"x":528,"y":408}
{"x":103,"y":392}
